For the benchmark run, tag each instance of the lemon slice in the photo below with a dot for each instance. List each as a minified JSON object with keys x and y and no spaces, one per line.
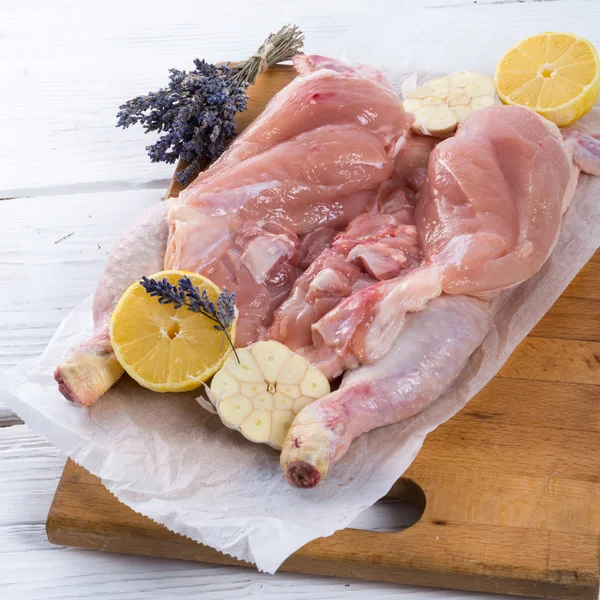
{"x":163,"y":348}
{"x":555,"y":74}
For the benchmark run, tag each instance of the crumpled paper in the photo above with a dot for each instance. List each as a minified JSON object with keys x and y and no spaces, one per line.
{"x":169,"y":459}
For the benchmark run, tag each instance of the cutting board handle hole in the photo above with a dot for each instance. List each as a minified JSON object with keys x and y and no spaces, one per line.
{"x":400,"y":509}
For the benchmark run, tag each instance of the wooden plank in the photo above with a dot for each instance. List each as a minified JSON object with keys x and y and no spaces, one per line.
{"x":571,"y":319}
{"x":528,"y":525}
{"x":63,"y":89}
{"x":587,"y":282}
{"x":545,"y":359}
{"x":501,"y":450}
{"x":55,"y":272}
{"x":509,"y":401}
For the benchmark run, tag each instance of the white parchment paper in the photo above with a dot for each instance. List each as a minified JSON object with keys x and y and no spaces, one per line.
{"x":172,"y":461}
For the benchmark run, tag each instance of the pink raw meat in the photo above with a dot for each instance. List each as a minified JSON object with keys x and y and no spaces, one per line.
{"x":484,"y":227}
{"x":377,"y":245}
{"x":491,"y":209}
{"x":311,"y":162}
{"x":313,"y":243}
{"x":585,"y":147}
{"x":306,"y":166}
{"x":488,"y":217}
{"x":425,"y":360}
{"x":327,"y":92}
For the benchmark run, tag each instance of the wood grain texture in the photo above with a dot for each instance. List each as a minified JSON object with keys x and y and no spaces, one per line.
{"x":56,"y":247}
{"x":512,"y":505}
{"x":511,"y":493}
{"x":544,"y":359}
{"x":67,"y":66}
{"x":55,"y":272}
{"x":63,"y":90}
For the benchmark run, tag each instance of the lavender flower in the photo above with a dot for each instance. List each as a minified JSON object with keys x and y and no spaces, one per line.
{"x":167,"y":292}
{"x":226,"y":304}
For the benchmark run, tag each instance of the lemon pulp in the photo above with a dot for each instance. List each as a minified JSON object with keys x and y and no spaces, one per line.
{"x":163,"y":348}
{"x":555,"y":74}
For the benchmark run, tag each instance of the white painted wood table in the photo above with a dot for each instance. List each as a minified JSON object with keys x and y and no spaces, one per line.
{"x":69,"y":183}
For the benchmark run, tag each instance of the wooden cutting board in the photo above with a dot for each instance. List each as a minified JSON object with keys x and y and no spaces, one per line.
{"x":510,"y":486}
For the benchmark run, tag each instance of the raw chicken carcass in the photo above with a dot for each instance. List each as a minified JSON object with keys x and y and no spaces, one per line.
{"x":313,"y":160}
{"x":362,"y":328}
{"x":488,"y":217}
{"x":374,"y":247}
{"x":425,"y":360}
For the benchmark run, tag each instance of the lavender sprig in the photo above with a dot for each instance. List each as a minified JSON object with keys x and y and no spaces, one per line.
{"x":167,"y":292}
{"x":195,"y":112}
{"x":188,"y":295}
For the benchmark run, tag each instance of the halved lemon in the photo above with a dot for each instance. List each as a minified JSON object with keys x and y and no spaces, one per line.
{"x":163,"y":348}
{"x":555,"y":74}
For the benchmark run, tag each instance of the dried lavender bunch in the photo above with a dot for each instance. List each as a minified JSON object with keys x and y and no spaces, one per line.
{"x":188,"y":295}
{"x":195,"y":112}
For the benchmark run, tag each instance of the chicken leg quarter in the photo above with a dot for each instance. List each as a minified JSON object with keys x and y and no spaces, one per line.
{"x":91,"y":368}
{"x":425,"y":360}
